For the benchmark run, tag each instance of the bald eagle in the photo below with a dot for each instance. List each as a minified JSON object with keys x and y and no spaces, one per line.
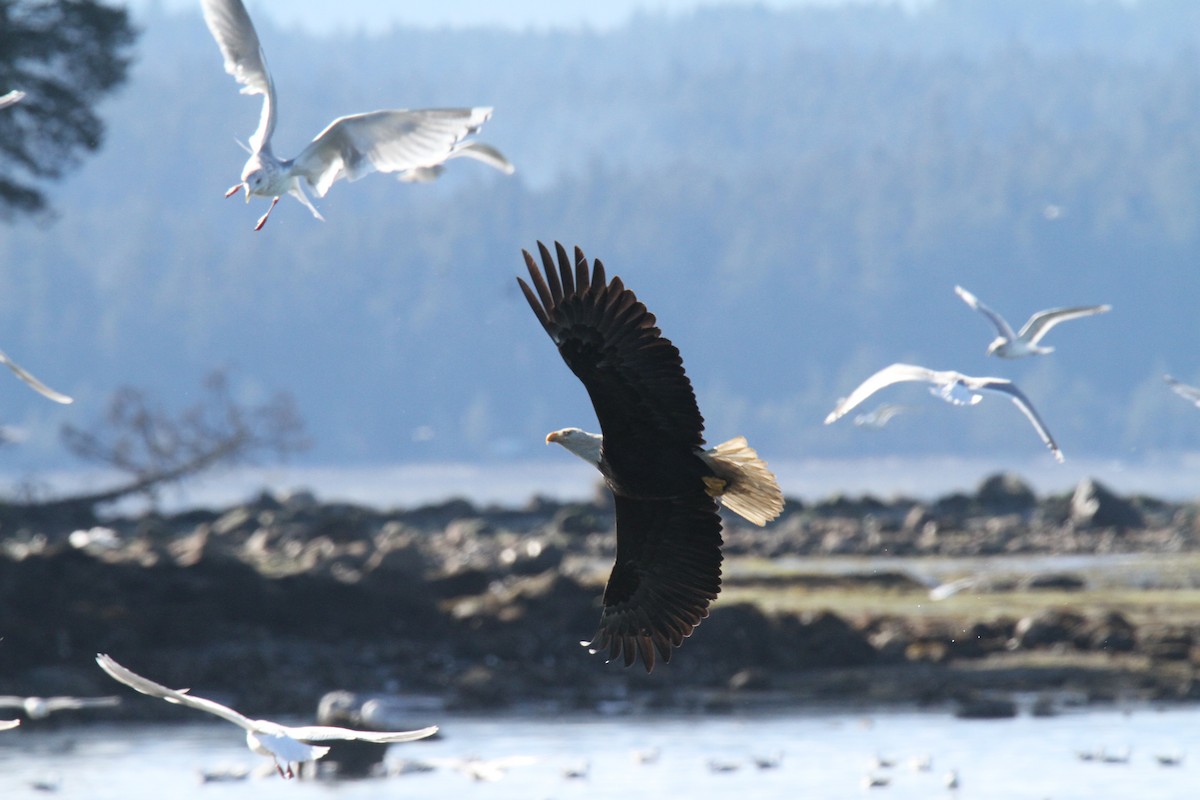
{"x":665,"y":484}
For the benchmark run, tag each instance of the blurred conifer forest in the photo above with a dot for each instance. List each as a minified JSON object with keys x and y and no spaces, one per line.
{"x":794,"y":194}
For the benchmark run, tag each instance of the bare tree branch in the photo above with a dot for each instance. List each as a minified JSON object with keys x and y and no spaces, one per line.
{"x":155,"y":449}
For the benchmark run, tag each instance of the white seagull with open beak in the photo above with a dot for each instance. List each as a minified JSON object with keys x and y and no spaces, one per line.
{"x":414,"y":144}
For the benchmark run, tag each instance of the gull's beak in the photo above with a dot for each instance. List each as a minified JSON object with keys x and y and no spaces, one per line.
{"x":553,"y":437}
{"x":247,"y":188}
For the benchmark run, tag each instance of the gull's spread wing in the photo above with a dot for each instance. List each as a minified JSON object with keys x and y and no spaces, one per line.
{"x":34,"y":383}
{"x":230,"y":25}
{"x":1001,"y":325}
{"x":1022,"y":402}
{"x":325,"y":733}
{"x":147,"y":686}
{"x":895,"y":373}
{"x":1041,"y":323}
{"x":390,"y":141}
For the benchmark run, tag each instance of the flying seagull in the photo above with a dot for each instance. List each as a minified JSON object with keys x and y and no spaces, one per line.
{"x":1015,"y":345}
{"x":286,"y":745}
{"x":951,"y":386}
{"x":665,"y":484}
{"x":34,"y":383}
{"x":42,"y":707}
{"x":879,"y":417}
{"x":413,"y":143}
{"x":12,"y":98}
{"x":1189,"y":393}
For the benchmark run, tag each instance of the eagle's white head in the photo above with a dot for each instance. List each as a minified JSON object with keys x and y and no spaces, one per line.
{"x":581,"y":443}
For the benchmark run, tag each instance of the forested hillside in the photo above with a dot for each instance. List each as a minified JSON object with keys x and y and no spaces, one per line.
{"x":794,"y":194}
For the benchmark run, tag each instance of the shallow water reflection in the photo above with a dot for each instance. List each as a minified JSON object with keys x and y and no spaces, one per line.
{"x":824,"y":755}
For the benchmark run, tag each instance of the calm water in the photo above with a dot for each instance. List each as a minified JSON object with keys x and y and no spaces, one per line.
{"x":824,"y":756}
{"x":513,"y":483}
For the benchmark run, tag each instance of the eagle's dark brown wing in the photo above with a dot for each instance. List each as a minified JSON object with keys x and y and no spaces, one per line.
{"x":668,"y":570}
{"x":668,"y":566}
{"x":634,"y":376}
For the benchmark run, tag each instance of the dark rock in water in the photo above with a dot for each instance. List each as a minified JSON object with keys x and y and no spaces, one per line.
{"x":1044,"y":705}
{"x":481,"y":688}
{"x":1005,"y":493}
{"x":1047,"y":628}
{"x":986,"y":707}
{"x":1093,"y":505}
{"x":1113,"y":633}
{"x":1167,"y":644}
{"x":1053,"y":581}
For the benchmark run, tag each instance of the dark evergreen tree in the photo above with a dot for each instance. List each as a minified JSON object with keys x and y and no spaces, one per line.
{"x":65,"y":55}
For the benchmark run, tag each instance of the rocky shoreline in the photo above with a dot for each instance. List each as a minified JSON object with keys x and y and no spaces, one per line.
{"x":276,"y":601}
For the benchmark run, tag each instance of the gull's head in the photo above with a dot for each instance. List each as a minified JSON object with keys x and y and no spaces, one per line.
{"x":581,"y":443}
{"x":255,"y":182}
{"x":996,"y":344}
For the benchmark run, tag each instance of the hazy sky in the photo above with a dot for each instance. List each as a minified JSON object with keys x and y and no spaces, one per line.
{"x":368,"y":14}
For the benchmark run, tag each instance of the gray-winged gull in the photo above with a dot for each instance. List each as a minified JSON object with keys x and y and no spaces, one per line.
{"x":34,"y":383}
{"x":953,"y":387}
{"x":1189,"y":393}
{"x":42,"y":707}
{"x":879,"y":417}
{"x":413,"y":143}
{"x":1008,"y":344}
{"x":287,"y":745}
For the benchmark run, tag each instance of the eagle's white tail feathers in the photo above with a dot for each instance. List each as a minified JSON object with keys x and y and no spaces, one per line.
{"x":750,"y":488}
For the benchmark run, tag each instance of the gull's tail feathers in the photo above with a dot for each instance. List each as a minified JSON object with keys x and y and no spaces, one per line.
{"x":746,"y":486}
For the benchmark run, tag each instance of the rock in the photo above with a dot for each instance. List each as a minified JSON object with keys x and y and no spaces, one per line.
{"x":1005,"y":493}
{"x":462,"y":583}
{"x":917,"y":518}
{"x":986,"y":707}
{"x":823,"y":639}
{"x":1113,"y":633}
{"x":1093,"y":505}
{"x":532,"y":556}
{"x":1047,"y":628}
{"x":741,"y":630}
{"x":1053,"y":581}
{"x":581,"y":520}
{"x":1167,"y":644}
{"x":480,"y":687}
